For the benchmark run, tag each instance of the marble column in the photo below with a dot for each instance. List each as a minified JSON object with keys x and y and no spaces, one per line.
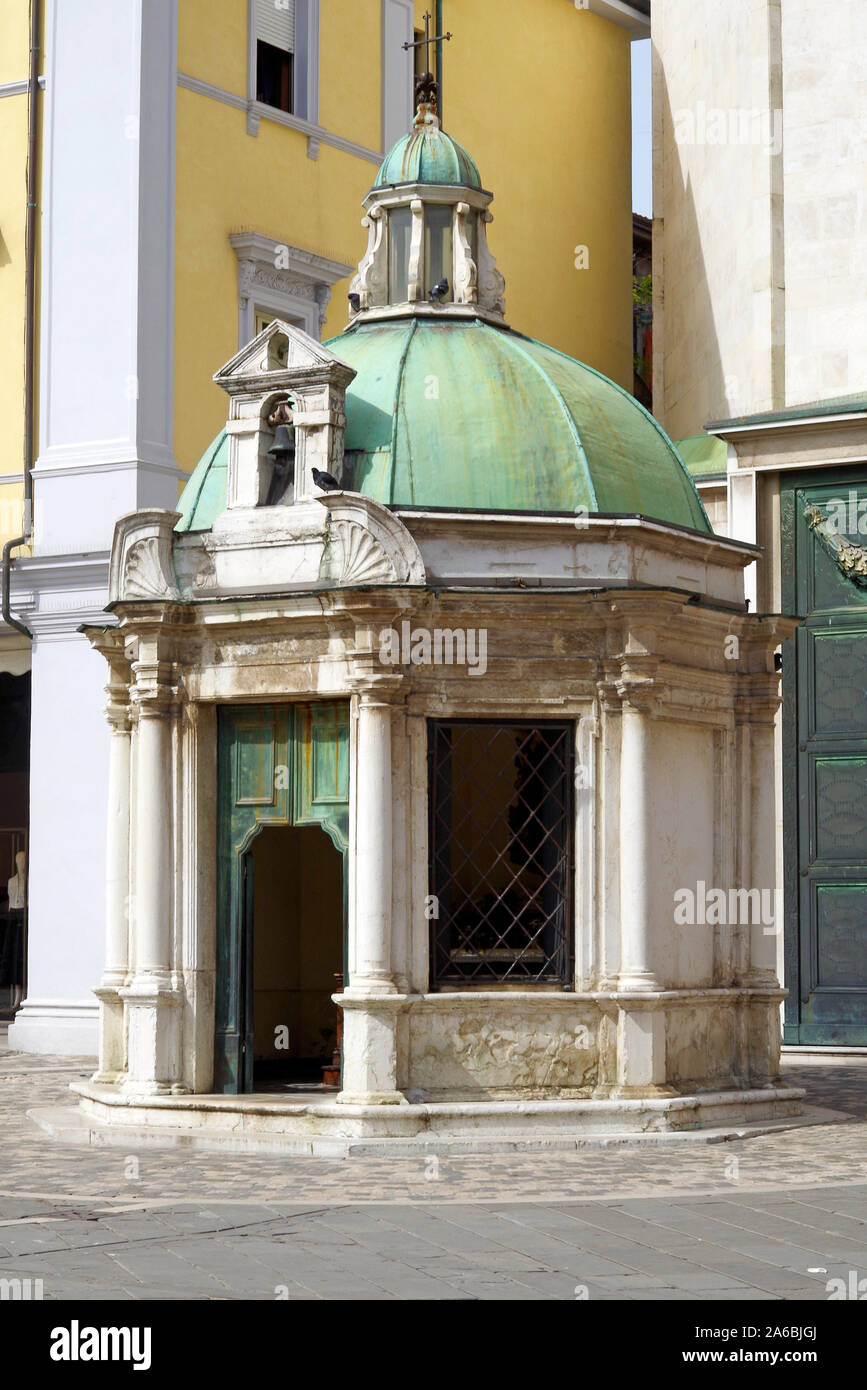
{"x":371,"y":1003}
{"x":373,"y":844}
{"x":640,"y":1028}
{"x":636,"y":851}
{"x":151,"y":998}
{"x":114,"y":975}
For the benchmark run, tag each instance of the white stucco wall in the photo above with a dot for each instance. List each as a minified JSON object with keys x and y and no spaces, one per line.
{"x":760,"y":252}
{"x":712,"y":209}
{"x":825,"y":160}
{"x":68,"y":797}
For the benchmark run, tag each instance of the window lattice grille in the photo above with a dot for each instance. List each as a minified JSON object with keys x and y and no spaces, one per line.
{"x":500,"y":852}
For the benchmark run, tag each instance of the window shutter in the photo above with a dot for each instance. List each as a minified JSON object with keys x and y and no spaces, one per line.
{"x":275,"y":23}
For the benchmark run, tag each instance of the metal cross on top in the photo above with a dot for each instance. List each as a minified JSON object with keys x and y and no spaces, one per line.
{"x":426,"y":79}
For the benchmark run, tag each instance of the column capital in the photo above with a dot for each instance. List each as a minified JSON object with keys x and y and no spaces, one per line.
{"x":117,"y":712}
{"x":373,"y":683}
{"x":758,"y":698}
{"x":631,"y":680}
{"x":154,"y":693}
{"x":642,"y":696}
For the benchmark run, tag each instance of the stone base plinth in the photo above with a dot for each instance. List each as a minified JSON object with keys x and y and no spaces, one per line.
{"x":56,"y":1028}
{"x":308,"y":1125}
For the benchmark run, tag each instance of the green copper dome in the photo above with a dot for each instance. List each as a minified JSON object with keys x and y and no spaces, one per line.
{"x":428,"y":155}
{"x":457,"y":413}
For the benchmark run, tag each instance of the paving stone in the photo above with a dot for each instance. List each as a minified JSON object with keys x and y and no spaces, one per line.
{"x":629,"y":1224}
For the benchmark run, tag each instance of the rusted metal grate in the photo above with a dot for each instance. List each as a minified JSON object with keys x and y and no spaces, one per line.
{"x":500,"y":852}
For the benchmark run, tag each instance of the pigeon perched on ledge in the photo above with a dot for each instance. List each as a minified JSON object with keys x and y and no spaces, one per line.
{"x":326,"y":481}
{"x":354,"y":302}
{"x":439,"y":292}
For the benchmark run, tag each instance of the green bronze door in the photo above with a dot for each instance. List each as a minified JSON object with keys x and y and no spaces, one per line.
{"x":277,"y":765}
{"x":824,"y":527}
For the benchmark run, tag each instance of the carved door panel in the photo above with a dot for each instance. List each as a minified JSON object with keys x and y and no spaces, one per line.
{"x":277,"y":765}
{"x":825,"y":762}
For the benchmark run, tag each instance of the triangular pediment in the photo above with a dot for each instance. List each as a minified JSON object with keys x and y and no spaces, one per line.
{"x":278,"y":349}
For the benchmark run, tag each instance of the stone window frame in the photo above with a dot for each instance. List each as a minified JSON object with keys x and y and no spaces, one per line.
{"x":286,"y":281}
{"x":306,"y":70}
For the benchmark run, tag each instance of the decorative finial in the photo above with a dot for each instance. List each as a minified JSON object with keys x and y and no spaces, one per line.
{"x":426,"y":86}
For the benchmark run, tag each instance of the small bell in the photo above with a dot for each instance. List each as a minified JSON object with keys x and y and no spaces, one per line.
{"x":283,"y":448}
{"x":282,"y":451}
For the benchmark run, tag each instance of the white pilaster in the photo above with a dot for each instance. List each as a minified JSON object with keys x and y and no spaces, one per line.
{"x":105,"y":431}
{"x":760,"y":856}
{"x":107,"y":331}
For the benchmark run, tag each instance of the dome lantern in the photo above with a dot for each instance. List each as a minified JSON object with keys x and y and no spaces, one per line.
{"x":427,"y":217}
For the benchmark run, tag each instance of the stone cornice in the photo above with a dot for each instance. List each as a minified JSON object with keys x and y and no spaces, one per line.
{"x":316,"y":134}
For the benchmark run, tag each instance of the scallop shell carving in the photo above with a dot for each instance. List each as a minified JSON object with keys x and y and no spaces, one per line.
{"x":364,"y":560}
{"x":143,"y":572}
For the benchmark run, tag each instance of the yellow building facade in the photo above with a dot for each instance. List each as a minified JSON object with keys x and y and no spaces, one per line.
{"x":14,"y":66}
{"x":541,"y":95}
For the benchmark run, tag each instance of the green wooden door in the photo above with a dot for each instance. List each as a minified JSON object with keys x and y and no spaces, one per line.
{"x":277,"y":765}
{"x":825,"y":760}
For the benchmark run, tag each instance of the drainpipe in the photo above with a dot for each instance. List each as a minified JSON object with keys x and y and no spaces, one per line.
{"x":29,"y":314}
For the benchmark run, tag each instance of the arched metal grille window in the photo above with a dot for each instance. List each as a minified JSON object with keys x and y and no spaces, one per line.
{"x":501,"y":859}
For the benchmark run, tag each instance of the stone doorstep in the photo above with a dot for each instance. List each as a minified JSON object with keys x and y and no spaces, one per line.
{"x":72,"y":1125}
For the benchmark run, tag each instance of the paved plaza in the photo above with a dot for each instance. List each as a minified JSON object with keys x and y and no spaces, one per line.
{"x":773,"y":1217}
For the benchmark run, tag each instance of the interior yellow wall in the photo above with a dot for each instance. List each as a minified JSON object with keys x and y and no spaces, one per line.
{"x":541,"y":99}
{"x":297,"y":940}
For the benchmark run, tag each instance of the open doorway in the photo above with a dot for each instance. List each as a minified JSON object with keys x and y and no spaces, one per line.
{"x":294,"y":931}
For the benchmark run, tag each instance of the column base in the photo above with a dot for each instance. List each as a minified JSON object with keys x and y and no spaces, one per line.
{"x":371,"y":1098}
{"x":370,"y":1048}
{"x":641,"y":1062}
{"x":132,"y":1086}
{"x":638,"y":982}
{"x":370,"y":987}
{"x":640,"y":1093}
{"x":111,"y":1059}
{"x":153,"y":1041}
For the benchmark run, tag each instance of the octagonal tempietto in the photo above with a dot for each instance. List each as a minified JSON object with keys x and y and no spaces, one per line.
{"x":442,"y":801}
